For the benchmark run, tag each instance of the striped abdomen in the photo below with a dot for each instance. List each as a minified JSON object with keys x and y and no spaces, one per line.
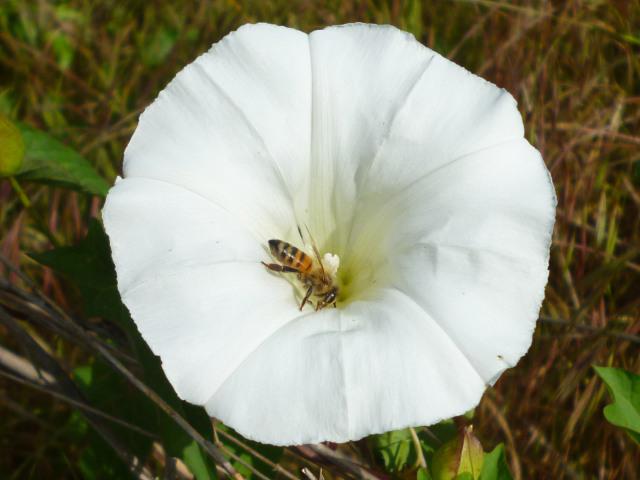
{"x":290,"y":256}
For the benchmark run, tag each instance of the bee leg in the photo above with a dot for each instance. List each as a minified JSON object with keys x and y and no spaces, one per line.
{"x":306,"y":297}
{"x":276,"y":267}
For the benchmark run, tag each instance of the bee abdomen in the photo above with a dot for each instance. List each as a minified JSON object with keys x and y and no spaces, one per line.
{"x":289,"y":255}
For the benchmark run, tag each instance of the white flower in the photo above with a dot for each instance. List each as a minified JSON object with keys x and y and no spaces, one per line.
{"x":410,"y":169}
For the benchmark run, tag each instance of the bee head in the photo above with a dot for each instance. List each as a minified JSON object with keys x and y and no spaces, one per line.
{"x":328,"y":298}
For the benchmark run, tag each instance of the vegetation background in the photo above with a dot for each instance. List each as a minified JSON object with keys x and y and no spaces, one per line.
{"x":83,"y":71}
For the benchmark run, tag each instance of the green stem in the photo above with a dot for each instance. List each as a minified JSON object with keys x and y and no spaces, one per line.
{"x":21,"y":193}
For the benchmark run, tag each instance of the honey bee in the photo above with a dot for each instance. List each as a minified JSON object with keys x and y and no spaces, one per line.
{"x":310,"y":272}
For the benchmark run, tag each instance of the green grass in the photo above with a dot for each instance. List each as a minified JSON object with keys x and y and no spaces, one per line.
{"x":83,"y":71}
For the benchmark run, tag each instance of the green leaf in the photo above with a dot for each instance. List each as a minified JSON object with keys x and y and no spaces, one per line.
{"x":465,"y":476}
{"x":395,"y":449}
{"x":11,"y":148}
{"x":423,"y":474}
{"x":495,"y":465}
{"x":51,"y":162}
{"x":462,"y":455}
{"x":624,"y":387}
{"x":89,"y":266}
{"x":438,"y":434}
{"x":110,"y":393}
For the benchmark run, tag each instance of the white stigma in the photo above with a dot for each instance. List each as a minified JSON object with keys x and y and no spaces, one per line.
{"x":331,"y":262}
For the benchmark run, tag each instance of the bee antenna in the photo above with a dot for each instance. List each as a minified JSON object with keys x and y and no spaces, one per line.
{"x":300,"y":233}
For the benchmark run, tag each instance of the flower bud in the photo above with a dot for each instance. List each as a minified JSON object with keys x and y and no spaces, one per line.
{"x":11,"y":148}
{"x":463,"y":454}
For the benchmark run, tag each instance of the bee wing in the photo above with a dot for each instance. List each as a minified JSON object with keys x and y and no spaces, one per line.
{"x":315,"y":248}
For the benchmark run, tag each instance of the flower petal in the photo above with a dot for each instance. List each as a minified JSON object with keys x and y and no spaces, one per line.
{"x":473,"y":250}
{"x":377,"y":365}
{"x":448,"y":114}
{"x":411,"y":168}
{"x":362,"y":76}
{"x":387,"y":110}
{"x":234,"y":126}
{"x":190,"y":275}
